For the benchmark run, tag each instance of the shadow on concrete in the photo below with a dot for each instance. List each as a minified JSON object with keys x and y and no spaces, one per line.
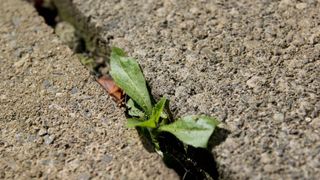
{"x":190,"y":162}
{"x":219,"y":135}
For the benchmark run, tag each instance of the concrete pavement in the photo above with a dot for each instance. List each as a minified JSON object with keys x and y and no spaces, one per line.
{"x":56,"y":122}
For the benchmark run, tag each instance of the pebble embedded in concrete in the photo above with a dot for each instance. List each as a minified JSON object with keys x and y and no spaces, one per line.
{"x":48,"y":139}
{"x":42,"y":132}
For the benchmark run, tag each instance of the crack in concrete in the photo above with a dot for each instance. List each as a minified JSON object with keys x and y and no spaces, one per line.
{"x":188,"y":162}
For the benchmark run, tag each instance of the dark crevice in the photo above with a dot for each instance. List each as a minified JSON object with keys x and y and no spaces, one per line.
{"x":188,"y":162}
{"x":86,"y":44}
{"x":93,"y":52}
{"x":47,"y":11}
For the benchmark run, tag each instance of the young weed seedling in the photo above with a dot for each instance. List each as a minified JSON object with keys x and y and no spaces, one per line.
{"x":152,"y":120}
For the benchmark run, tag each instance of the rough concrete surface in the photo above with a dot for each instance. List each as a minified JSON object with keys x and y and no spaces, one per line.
{"x":55,"y":120}
{"x":253,"y":64}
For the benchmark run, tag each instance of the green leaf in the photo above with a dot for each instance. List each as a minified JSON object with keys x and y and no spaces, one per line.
{"x":164,"y":115}
{"x":134,"y":122}
{"x":128,"y":76}
{"x":157,"y":111}
{"x":118,"y":51}
{"x":133,"y":110}
{"x":192,"y":130}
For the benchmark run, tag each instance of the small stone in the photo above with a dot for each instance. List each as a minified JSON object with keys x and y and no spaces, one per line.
{"x":74,"y":90}
{"x":84,"y":176}
{"x":255,"y":82}
{"x":31,"y":138}
{"x":73,"y":115}
{"x":194,"y":10}
{"x":251,"y":82}
{"x":265,"y":158}
{"x":315,"y":123}
{"x":106,"y":158}
{"x":251,"y":44}
{"x":231,"y":144}
{"x":268,"y":168}
{"x":287,"y":2}
{"x":308,"y":119}
{"x":47,"y":162}
{"x":46,"y":84}
{"x":3,"y":97}
{"x":298,"y":41}
{"x":59,"y":94}
{"x":51,"y":130}
{"x":42,"y":132}
{"x":306,"y":105}
{"x":48,"y":139}
{"x":301,"y":6}
{"x":74,"y":164}
{"x":234,"y":12}
{"x":206,"y":51}
{"x":278,"y":117}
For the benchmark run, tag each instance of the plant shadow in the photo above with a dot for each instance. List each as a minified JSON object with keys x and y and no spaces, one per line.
{"x":188,"y":162}
{"x":219,"y":135}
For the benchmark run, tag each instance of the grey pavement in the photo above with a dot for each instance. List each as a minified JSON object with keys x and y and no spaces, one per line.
{"x":56,"y":122}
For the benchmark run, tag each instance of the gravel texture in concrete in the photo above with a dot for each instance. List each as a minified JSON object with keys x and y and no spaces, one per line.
{"x":253,"y":64}
{"x":55,"y":120}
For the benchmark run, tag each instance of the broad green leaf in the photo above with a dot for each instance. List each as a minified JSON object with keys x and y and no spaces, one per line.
{"x":133,"y":110}
{"x":128,"y":76}
{"x":192,"y":130}
{"x":158,"y":110}
{"x":134,"y":122}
